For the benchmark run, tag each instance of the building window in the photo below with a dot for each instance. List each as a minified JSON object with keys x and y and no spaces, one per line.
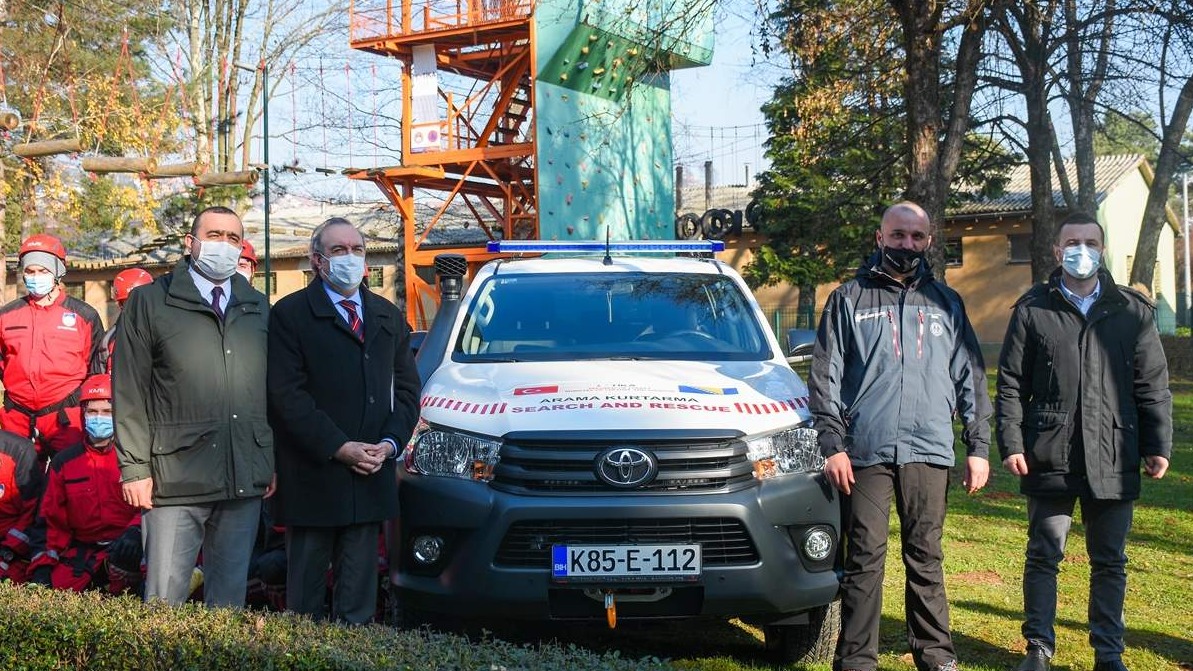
{"x":259,"y":282}
{"x":1019,"y":248}
{"x":376,"y":277}
{"x":952,"y":252}
{"x":75,"y":290}
{"x":308,"y":276}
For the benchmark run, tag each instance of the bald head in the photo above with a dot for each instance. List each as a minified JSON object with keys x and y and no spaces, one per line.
{"x":905,"y":232}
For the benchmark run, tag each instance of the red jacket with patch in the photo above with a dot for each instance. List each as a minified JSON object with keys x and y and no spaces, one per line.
{"x":47,"y":351}
{"x":83,"y":502}
{"x":21,"y":484}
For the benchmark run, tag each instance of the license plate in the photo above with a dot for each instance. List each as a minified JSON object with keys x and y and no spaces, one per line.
{"x":625,"y":562}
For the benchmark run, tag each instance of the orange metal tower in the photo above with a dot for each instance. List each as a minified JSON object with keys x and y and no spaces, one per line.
{"x":468,"y":143}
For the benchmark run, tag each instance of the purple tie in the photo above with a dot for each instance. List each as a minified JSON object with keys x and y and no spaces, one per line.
{"x":354,"y":322}
{"x":217,"y":294}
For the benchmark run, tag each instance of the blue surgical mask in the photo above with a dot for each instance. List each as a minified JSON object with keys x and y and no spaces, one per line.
{"x":344,"y":272}
{"x":40,"y":285}
{"x":99,"y":427}
{"x":1081,"y":262}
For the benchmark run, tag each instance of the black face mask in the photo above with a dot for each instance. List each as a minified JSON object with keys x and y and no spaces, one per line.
{"x":902,"y":261}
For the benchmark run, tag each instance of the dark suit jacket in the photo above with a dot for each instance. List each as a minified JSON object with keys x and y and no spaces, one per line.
{"x":325,"y":388}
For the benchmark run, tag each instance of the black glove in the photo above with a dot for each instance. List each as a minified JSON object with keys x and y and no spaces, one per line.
{"x":125,"y":552}
{"x":43,"y":575}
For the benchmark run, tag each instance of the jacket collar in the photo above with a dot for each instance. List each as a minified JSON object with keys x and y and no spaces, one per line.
{"x":183,"y":292}
{"x":872,"y":270}
{"x":378,"y":313}
{"x":1111,"y":296}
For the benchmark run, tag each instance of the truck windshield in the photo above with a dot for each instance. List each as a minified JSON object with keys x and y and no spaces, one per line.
{"x":567,"y":316}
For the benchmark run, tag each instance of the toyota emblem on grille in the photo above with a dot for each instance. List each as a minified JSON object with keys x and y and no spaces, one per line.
{"x":626,"y":467}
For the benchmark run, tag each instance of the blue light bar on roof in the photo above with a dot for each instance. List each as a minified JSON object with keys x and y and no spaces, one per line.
{"x":598,"y":247}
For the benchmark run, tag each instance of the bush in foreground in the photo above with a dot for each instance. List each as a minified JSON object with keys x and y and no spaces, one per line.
{"x":46,"y":629}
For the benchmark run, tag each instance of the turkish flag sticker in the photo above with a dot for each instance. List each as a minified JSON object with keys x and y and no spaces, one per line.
{"x":544,"y":389}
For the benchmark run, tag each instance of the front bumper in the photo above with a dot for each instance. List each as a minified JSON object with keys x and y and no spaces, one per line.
{"x":479,"y":576}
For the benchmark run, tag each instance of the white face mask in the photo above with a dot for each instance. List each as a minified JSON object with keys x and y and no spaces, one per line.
{"x":1081,"y":262}
{"x":217,"y":260}
{"x":344,"y":272}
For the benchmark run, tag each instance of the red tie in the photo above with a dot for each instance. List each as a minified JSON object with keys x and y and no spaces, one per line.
{"x":354,"y":322}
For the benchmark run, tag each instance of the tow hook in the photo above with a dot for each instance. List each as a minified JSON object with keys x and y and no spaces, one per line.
{"x":610,"y":609}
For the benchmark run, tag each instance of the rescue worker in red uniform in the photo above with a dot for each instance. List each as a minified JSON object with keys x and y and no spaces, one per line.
{"x":87,"y":525}
{"x":247,"y":264}
{"x":122,"y":285}
{"x":49,"y":343}
{"x":22,"y":480}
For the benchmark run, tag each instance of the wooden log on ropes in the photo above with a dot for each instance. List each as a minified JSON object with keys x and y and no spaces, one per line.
{"x":246,"y":177}
{"x":106,"y":164}
{"x":192,"y":169}
{"x":48,"y":148}
{"x":9,"y":120}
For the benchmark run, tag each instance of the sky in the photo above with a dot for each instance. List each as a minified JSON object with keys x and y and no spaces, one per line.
{"x":715,"y":110}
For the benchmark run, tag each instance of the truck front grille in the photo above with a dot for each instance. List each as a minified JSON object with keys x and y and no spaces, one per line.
{"x":723,"y":541}
{"x":569,"y":466}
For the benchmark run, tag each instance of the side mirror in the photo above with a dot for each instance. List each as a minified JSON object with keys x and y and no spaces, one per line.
{"x":799,"y":344}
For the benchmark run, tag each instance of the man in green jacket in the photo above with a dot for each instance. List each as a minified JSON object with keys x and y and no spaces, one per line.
{"x":195,"y":448}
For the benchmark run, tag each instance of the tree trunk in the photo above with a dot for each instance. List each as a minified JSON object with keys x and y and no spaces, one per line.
{"x":1143,"y":270}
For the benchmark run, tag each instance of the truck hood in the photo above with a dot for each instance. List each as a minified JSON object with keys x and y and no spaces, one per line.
{"x":496,"y":398}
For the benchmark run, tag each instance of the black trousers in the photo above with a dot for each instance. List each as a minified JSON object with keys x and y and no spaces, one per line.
{"x":920,"y":495}
{"x":351,"y":551}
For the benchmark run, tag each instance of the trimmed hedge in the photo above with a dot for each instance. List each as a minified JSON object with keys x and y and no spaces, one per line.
{"x":47,"y":629}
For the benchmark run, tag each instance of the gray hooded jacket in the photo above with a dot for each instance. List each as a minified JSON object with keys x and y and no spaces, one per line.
{"x":893,"y":365}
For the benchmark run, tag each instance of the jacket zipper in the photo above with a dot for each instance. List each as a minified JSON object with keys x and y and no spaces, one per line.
{"x":890,"y":317}
{"x":919,"y":338}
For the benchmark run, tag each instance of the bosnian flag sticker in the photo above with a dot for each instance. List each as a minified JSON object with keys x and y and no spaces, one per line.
{"x":720,"y":391}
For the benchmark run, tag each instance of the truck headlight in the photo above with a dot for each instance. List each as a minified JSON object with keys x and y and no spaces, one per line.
{"x":790,"y":451}
{"x":443,"y":452}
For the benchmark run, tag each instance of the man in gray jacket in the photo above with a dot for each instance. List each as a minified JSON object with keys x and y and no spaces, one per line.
{"x":895,"y":360}
{"x":194,"y":444}
{"x":1083,"y":402}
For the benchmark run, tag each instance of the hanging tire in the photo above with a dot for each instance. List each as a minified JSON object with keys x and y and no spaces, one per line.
{"x":715,"y":223}
{"x":811,"y":643}
{"x":753,"y":212}
{"x":687,"y":227}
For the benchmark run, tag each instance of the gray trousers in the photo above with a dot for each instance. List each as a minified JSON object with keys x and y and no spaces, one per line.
{"x":1106,"y":526}
{"x":920,"y":494}
{"x":352,"y":553}
{"x":173,"y":535}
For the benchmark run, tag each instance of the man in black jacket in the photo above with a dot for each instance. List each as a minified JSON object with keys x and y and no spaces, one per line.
{"x":1082,"y":399}
{"x":343,"y":395}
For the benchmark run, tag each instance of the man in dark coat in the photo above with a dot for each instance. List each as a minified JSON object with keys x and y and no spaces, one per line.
{"x":1083,"y":401}
{"x":193,"y":440}
{"x":343,"y":396}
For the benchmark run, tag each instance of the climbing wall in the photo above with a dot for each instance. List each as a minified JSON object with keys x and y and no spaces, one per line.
{"x":603,"y":113}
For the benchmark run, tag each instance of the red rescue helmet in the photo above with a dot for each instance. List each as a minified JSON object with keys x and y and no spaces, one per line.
{"x":41,"y":249}
{"x":127,"y":280}
{"x":247,"y":252}
{"x":43,"y":242}
{"x":97,"y":388}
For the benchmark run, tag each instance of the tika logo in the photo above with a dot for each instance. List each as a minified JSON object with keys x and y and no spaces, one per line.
{"x":542,"y":389}
{"x":69,"y":319}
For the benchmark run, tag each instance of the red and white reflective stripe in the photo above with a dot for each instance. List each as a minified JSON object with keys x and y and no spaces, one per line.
{"x":890,"y":317}
{"x":919,"y":339}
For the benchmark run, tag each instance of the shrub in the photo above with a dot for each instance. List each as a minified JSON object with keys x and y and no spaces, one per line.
{"x":47,"y":629}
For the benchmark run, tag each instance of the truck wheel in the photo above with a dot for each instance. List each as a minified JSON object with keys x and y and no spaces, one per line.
{"x":811,"y":643}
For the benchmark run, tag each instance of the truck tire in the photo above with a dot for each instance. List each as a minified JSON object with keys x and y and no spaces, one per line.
{"x":400,"y":615}
{"x":811,"y":643}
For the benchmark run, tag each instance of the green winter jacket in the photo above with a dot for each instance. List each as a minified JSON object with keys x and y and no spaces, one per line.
{"x":189,"y":392}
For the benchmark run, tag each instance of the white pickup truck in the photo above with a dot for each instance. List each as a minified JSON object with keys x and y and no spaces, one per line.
{"x":611,"y":436}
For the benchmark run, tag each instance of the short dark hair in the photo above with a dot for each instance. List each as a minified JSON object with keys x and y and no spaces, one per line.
{"x":1080,"y":218}
{"x":317,"y":234}
{"x":214,"y":209}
